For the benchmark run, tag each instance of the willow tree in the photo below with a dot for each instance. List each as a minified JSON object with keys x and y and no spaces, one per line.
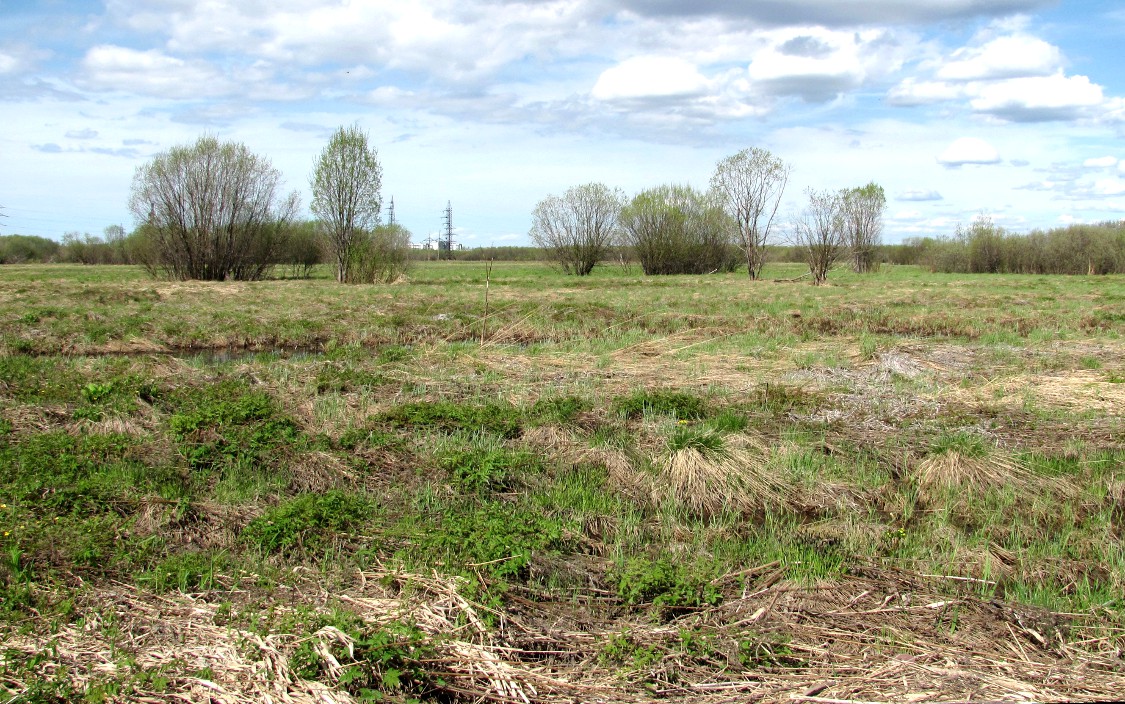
{"x":820,"y":231}
{"x":346,"y":185}
{"x":750,"y":184}
{"x":210,"y":211}
{"x":863,"y":209}
{"x":577,"y":229}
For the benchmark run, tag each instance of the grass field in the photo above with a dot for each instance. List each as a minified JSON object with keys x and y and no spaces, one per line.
{"x":899,"y":487}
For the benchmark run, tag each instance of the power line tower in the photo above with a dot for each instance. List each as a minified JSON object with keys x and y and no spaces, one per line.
{"x":448,"y":222}
{"x":391,"y":213}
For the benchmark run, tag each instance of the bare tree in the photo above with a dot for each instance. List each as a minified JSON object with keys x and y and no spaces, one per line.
{"x":750,"y":185}
{"x":578,"y":228}
{"x":210,"y":211}
{"x":820,"y":231}
{"x":346,"y":185}
{"x":863,"y":210}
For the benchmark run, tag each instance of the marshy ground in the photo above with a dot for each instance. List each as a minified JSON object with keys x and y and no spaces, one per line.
{"x":902,"y":486}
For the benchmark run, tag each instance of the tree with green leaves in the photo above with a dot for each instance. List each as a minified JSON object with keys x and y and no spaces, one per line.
{"x":677,"y":230}
{"x":863,"y":210}
{"x":212,"y":211}
{"x":346,"y":184}
{"x":750,"y":184}
{"x":577,"y":229}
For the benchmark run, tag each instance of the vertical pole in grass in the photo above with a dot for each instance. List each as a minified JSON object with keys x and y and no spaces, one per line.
{"x":484,"y":326}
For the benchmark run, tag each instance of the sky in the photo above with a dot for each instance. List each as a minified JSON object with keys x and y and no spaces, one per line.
{"x":1011,"y":109}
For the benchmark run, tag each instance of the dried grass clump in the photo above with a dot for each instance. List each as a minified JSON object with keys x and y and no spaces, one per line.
{"x":709,"y":478}
{"x":954,"y":470}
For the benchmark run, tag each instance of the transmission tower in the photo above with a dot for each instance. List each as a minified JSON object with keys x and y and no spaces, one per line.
{"x":391,"y":212}
{"x":448,"y":222}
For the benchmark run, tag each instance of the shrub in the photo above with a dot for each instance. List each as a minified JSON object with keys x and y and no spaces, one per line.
{"x":677,"y":230}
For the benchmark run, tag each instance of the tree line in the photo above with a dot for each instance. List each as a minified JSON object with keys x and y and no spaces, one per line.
{"x":216,"y":211}
{"x":677,"y":229}
{"x":986,"y":248}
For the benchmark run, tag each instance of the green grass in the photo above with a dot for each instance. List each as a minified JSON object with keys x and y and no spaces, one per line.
{"x":345,"y":429}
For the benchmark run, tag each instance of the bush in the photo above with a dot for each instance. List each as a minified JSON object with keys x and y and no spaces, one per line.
{"x":210,"y":211}
{"x":677,"y":230}
{"x":379,"y":256}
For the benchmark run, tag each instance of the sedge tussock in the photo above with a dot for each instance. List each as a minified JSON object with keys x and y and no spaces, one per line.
{"x":954,"y":470}
{"x":707,"y":482}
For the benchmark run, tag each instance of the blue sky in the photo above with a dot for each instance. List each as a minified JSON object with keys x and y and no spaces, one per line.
{"x":1010,"y":108}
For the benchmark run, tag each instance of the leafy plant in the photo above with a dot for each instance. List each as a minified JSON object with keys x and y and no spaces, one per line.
{"x":498,"y":418}
{"x":307,"y":522}
{"x":677,"y":404}
{"x":665,"y":584}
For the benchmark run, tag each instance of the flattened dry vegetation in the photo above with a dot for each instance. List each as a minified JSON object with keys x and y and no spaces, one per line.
{"x":619,"y":489}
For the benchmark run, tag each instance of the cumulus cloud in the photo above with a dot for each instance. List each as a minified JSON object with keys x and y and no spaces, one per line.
{"x":1014,"y":77}
{"x":85,"y":133}
{"x":968,"y":150}
{"x":918,"y":195}
{"x":911,"y":92}
{"x":818,"y":64}
{"x":835,"y":13}
{"x":151,"y":73}
{"x":1109,"y":187}
{"x":1101,"y":162}
{"x":649,"y":77}
{"x":8,"y":63}
{"x":1039,"y":99}
{"x":1016,"y":56}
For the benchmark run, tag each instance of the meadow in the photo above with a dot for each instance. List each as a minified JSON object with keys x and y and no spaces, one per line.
{"x":499,"y":483}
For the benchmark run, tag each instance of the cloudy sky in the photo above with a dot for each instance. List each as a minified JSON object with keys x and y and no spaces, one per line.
{"x":1012,"y":108}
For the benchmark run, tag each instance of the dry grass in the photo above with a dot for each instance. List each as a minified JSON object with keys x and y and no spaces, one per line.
{"x":954,"y":471}
{"x":778,"y":642}
{"x":708,"y":482}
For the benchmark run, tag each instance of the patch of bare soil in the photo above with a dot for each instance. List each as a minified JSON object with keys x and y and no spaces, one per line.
{"x":877,"y":636}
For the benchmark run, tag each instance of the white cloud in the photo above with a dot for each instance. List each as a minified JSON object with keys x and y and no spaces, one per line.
{"x":835,"y":13}
{"x":968,"y":150}
{"x":647,"y":77}
{"x":1015,"y":56}
{"x":911,"y":92}
{"x":1040,"y":99}
{"x":8,"y":63}
{"x":817,"y":64}
{"x":150,"y":73}
{"x":918,"y":195}
{"x":1109,"y":187}
{"x":1101,"y":162}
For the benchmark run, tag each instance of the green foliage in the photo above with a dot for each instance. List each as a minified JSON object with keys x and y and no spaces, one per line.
{"x":558,"y":409}
{"x":343,"y":378}
{"x":228,"y":427}
{"x":482,"y":468}
{"x":677,"y":404}
{"x":498,"y":537}
{"x":963,"y":443}
{"x":306,"y":523}
{"x":728,"y":421}
{"x":384,"y":662}
{"x":622,"y":649}
{"x":666,"y":584}
{"x":25,"y":249}
{"x":678,"y":230}
{"x":380,"y":256}
{"x":185,"y":572}
{"x":447,"y":416}
{"x":705,"y":441}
